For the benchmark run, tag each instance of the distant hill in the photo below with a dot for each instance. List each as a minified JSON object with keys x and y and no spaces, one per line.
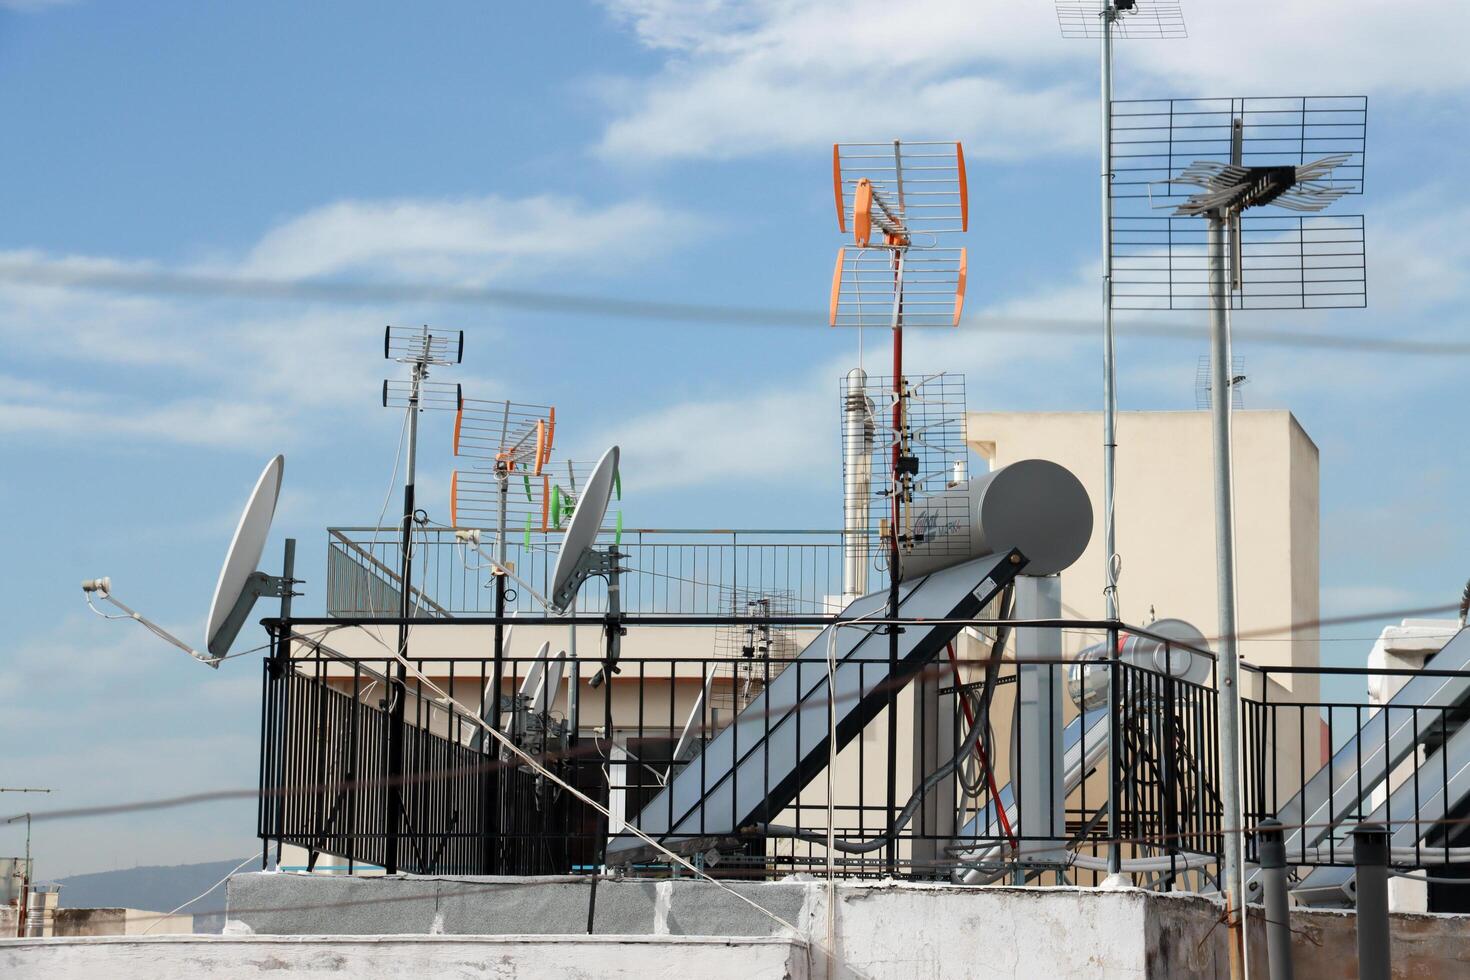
{"x":156,"y":889}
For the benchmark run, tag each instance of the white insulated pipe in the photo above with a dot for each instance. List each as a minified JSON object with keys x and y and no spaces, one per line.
{"x":857,"y":483}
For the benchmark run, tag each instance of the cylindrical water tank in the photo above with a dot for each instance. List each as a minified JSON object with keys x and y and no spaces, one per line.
{"x":1087,"y":678}
{"x":40,"y":908}
{"x":1034,"y":505}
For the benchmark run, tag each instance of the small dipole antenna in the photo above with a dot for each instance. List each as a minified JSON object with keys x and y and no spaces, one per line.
{"x":420,"y":349}
{"x":25,"y":887}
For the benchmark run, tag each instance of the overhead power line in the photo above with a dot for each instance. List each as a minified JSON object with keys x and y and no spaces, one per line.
{"x":175,"y":283}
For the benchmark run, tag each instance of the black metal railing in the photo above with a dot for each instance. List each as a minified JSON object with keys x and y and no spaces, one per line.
{"x":470,"y":806}
{"x":1332,"y":763}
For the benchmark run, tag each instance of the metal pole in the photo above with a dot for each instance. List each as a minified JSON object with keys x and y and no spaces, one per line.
{"x":1278,"y":911}
{"x":497,"y":676}
{"x":400,"y":678}
{"x":1110,"y":394}
{"x":1110,"y":443}
{"x":897,"y":486}
{"x":1227,"y":691}
{"x":1370,"y":864}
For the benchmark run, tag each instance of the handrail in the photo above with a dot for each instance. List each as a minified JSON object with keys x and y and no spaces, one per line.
{"x":392,"y":575}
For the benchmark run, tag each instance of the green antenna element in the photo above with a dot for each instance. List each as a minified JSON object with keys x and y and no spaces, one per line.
{"x":618,"y":531}
{"x":618,"y":484}
{"x":527,"y":478}
{"x":528,"y":533}
{"x":556,"y":505}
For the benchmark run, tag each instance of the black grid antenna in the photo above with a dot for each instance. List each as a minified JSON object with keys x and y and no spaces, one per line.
{"x":1153,"y":140}
{"x":1285,"y":262}
{"x":1204,"y":157}
{"x":1133,"y":18}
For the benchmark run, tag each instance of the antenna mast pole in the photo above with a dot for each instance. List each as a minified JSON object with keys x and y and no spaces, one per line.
{"x":1109,"y":15}
{"x":396,"y":714}
{"x":1227,"y":688}
{"x":1110,"y":395}
{"x":20,"y":919}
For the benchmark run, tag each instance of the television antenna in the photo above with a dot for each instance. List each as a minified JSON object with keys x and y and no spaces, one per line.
{"x":1203,"y":385}
{"x":240,"y":581}
{"x":1225,"y":190}
{"x":420,"y":349}
{"x":25,"y":881}
{"x":899,"y":200}
{"x":1103,"y":20}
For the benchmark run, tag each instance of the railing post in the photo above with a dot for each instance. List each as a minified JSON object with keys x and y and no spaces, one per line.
{"x":1115,"y":751}
{"x":1370,"y":866}
{"x":1272,"y":848}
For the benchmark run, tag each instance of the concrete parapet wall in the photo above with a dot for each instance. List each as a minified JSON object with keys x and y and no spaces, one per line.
{"x":905,"y":931}
{"x":119,"y":922}
{"x":402,"y":957}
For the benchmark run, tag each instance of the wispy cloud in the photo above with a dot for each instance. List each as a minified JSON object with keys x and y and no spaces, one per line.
{"x":744,"y":79}
{"x":205,"y":371}
{"x":467,"y":241}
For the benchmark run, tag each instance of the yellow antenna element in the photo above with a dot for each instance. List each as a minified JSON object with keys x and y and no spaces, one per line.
{"x":837,"y":187}
{"x":959,"y":156}
{"x":959,"y":293}
{"x":836,"y":288}
{"x":540,"y":446}
{"x":862,"y":212}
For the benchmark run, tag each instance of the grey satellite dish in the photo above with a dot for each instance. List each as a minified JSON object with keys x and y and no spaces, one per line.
{"x":684,"y":748}
{"x":578,"y":559}
{"x":240,"y":582}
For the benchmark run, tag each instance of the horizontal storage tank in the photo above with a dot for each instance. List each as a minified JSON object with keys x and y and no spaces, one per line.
{"x":1034,"y":505}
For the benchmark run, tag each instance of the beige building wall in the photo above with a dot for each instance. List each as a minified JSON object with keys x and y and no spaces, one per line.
{"x":1166,"y":526}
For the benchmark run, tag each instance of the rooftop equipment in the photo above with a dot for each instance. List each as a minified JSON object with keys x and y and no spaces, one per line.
{"x":1254,"y":175}
{"x":420,"y":349}
{"x":1103,"y":20}
{"x":240,"y":582}
{"x":898,"y":199}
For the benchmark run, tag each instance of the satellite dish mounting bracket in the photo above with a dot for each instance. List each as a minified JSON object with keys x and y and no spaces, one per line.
{"x":258,"y":585}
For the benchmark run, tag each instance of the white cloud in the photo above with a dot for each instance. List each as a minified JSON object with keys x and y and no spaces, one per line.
{"x":196,"y":370}
{"x":745,"y":79}
{"x":749,"y":78}
{"x":468,"y":241}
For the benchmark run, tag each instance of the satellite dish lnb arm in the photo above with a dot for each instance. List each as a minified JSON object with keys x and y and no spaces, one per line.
{"x":102,"y":588}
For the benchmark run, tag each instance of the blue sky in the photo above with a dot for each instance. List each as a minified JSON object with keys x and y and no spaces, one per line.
{"x":635,"y":148}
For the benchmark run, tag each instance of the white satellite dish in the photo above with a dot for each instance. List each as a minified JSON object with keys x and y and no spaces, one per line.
{"x":682,"y":748}
{"x":578,"y":558}
{"x":550,"y":690}
{"x":240,"y":581}
{"x":531,"y":686}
